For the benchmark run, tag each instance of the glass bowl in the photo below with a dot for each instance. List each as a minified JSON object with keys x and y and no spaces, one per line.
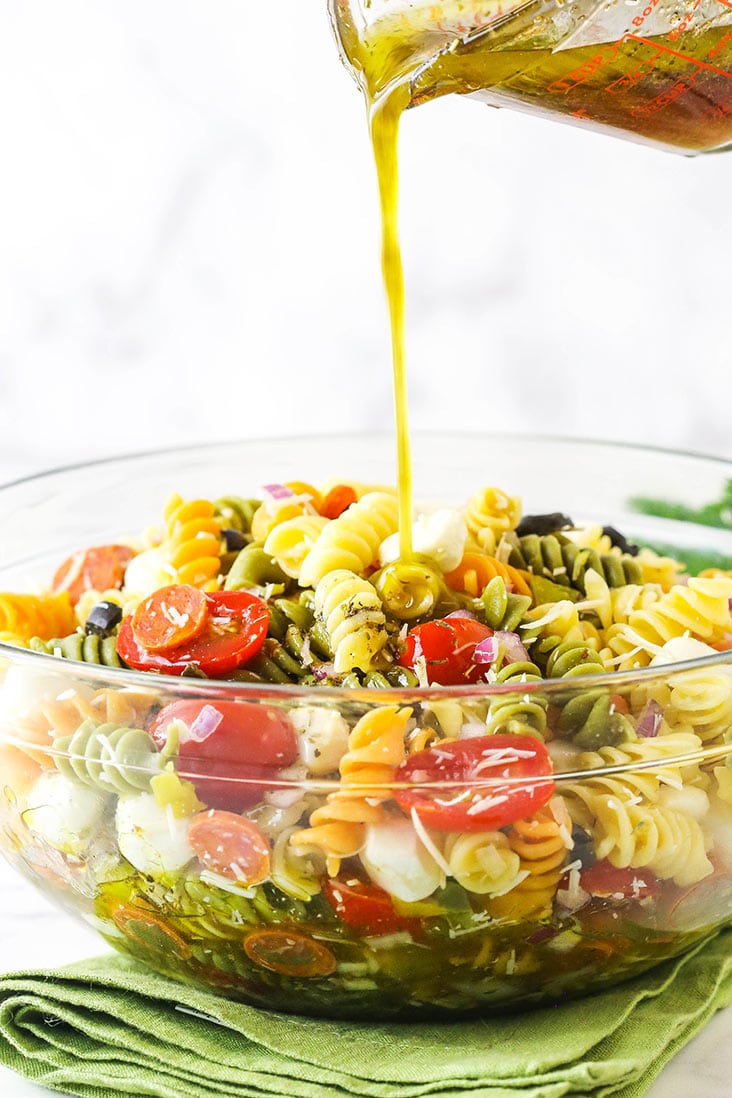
{"x":547,"y":836}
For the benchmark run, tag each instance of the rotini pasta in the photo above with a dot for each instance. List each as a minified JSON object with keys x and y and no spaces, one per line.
{"x":352,"y":541}
{"x":489,"y":514}
{"x":354,"y":620}
{"x":290,"y":542}
{"x":375,"y":750}
{"x":521,"y":712}
{"x":192,"y":542}
{"x":565,"y":563}
{"x":699,"y":608}
{"x":541,"y":843}
{"x":107,"y":757}
{"x":44,"y":616}
{"x":476,"y":570}
{"x":484,"y":863}
{"x":84,"y":647}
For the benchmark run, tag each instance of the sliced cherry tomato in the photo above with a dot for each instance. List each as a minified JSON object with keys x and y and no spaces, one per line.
{"x":604,"y":879}
{"x":230,"y":749}
{"x":235,"y":630}
{"x":100,"y":568}
{"x":289,"y":953}
{"x":447,"y":646}
{"x":365,"y":907}
{"x":486,"y":802}
{"x":170,"y":617}
{"x":231,"y":846}
{"x":338,"y":500}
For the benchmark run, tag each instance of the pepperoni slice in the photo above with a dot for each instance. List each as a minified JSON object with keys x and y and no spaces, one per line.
{"x":289,"y":953}
{"x":231,"y":846}
{"x":170,"y":617}
{"x":100,"y":568}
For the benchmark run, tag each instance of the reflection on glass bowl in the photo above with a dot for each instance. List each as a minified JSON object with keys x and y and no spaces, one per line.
{"x":401,"y":852}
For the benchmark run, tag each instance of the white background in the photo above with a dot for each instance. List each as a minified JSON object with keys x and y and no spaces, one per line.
{"x":188,"y":252}
{"x":188,"y":248}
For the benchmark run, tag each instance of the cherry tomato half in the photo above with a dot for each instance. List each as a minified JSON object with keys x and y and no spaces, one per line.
{"x":171,"y":616}
{"x":484,"y":759}
{"x":230,"y":750}
{"x":234,"y":632}
{"x":231,"y":846}
{"x":100,"y":568}
{"x":603,"y":879}
{"x":448,"y":646}
{"x":365,"y":907}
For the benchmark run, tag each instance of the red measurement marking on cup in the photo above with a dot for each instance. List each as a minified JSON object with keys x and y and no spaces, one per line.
{"x":677,"y":53}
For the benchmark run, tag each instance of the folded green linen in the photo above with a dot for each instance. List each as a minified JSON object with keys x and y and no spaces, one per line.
{"x":109,"y":1027}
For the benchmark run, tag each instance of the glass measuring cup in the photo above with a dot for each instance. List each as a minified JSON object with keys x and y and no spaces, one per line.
{"x":648,"y":70}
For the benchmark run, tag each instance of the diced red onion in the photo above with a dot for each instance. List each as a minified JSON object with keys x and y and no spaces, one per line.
{"x":486,"y":651}
{"x":460,"y":614}
{"x":650,"y":720}
{"x":278,"y":491}
{"x":206,"y":723}
{"x":513,"y":649}
{"x":321,"y":671}
{"x":729,"y":605}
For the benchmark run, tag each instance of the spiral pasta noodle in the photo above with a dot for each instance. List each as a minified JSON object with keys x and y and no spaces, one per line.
{"x":353,"y":618}
{"x":25,"y":616}
{"x":253,"y":568}
{"x":501,"y":609}
{"x":352,"y":541}
{"x":663,"y":571}
{"x":489,"y":514}
{"x":296,"y":873}
{"x":235,"y":513}
{"x":290,"y":542}
{"x":522,"y":712}
{"x":541,"y":842}
{"x":484,"y":863}
{"x":701,"y":701}
{"x":646,"y":781}
{"x":192,"y":542}
{"x":476,"y":570}
{"x":668,"y":842}
{"x":273,"y":511}
{"x":700,"y":608}
{"x":108,"y":757}
{"x":83,"y":647}
{"x":564,"y":562}
{"x":375,"y":749}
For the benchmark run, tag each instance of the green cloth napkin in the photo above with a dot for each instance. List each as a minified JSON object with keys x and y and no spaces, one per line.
{"x":108,"y":1027}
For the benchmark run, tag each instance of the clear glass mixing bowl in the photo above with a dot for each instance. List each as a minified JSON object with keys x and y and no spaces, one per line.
{"x":609,"y":861}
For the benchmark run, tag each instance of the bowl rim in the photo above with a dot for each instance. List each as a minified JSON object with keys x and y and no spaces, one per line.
{"x":193,"y":687}
{"x":334,"y":436}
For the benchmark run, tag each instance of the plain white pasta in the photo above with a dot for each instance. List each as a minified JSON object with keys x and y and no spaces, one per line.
{"x":484,"y":862}
{"x":352,"y":540}
{"x":290,"y":542}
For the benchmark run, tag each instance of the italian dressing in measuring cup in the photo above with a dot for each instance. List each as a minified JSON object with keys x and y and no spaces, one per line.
{"x":647,"y":70}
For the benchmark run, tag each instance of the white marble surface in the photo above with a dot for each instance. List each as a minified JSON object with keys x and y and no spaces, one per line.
{"x":33,"y":934}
